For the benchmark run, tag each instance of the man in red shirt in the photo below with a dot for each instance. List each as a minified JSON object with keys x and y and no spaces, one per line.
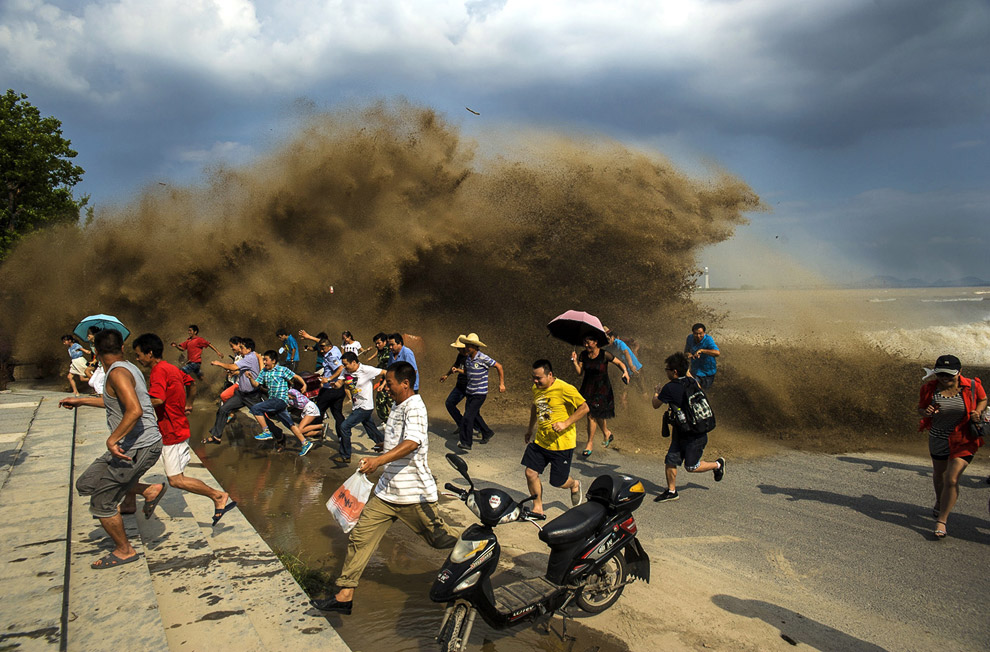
{"x":166,"y":386}
{"x":193,"y":346}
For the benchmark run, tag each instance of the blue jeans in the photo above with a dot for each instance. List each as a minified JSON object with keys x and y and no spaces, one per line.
{"x":273,"y":407}
{"x":192,"y":368}
{"x":366,"y":419}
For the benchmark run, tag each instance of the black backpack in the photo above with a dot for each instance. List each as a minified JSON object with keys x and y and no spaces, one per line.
{"x":696,"y":408}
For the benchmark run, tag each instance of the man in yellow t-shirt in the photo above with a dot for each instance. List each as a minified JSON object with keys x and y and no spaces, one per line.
{"x":557,"y":406}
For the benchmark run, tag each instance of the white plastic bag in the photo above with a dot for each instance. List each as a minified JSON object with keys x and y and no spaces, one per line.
{"x":347,"y":502}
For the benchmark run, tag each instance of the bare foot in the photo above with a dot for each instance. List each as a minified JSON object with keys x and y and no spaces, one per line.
{"x":221,"y":502}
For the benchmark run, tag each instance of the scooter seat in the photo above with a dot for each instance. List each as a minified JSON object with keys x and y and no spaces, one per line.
{"x":576,"y":523}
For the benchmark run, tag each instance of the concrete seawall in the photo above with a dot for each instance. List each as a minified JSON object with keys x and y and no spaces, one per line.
{"x":196,"y":587}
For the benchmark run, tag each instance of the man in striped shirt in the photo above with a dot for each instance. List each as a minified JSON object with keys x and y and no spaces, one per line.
{"x":476,"y":366}
{"x":405,"y":491}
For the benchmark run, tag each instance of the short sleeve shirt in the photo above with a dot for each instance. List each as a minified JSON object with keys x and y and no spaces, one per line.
{"x":75,"y":351}
{"x":291,"y":349}
{"x":554,"y":404}
{"x":247,"y":363}
{"x":167,"y":383}
{"x":407,"y":480}
{"x":276,"y":380}
{"x":331,"y":363}
{"x":297,"y":399}
{"x":194,"y":348}
{"x":476,"y":370}
{"x":705,"y":365}
{"x":623,"y":348}
{"x":406,"y":355}
{"x":363,"y":393}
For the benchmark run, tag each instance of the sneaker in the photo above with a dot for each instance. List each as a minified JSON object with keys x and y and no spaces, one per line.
{"x":265,"y":436}
{"x":720,"y":471}
{"x":576,"y":496}
{"x":666,"y":496}
{"x":463,"y":447}
{"x":305,"y":449}
{"x":340,"y":459}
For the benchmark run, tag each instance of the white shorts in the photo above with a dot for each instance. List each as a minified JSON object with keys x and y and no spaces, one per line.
{"x":78,"y":366}
{"x":176,"y":457}
{"x":311,"y":410}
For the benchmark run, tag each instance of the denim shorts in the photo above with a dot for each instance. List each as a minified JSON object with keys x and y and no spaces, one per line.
{"x":687,"y":449}
{"x":192,"y":368}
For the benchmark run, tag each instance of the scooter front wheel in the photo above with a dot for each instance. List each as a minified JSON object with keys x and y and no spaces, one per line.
{"x":603,"y":587}
{"x":450,"y":638}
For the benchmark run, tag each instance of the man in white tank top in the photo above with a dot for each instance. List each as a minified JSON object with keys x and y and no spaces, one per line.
{"x":133,"y":447}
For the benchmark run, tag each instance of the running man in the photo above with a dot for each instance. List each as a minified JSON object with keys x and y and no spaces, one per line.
{"x":557,"y":406}
{"x":193,"y":346}
{"x":167,"y":389}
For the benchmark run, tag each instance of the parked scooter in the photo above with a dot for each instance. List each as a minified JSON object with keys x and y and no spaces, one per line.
{"x":594,"y":553}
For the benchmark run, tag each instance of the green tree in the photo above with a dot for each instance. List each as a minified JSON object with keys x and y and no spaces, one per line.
{"x":36,"y":171}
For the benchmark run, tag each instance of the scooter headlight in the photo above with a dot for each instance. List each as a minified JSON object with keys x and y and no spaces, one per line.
{"x":511,"y":516}
{"x":469,"y":582}
{"x":465,"y":550}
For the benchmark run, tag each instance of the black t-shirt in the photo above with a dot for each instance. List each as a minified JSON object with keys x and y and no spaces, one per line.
{"x":675,"y":393}
{"x":461,"y":377}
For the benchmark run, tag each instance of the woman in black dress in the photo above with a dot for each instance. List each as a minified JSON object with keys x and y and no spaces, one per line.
{"x":596,"y":388}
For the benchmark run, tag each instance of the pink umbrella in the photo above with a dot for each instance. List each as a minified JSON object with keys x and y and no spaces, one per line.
{"x":573,"y":326}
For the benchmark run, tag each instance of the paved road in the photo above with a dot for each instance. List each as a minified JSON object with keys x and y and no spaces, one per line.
{"x":840,"y":545}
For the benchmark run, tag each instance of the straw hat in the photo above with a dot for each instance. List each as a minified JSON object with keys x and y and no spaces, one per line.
{"x":457,"y":344}
{"x":471,"y":339}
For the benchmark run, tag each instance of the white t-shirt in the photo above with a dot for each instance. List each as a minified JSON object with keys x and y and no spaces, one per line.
{"x":354,"y":347}
{"x":363,"y":396}
{"x":407,"y":480}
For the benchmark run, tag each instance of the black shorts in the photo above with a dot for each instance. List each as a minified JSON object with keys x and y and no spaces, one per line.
{"x":536,"y":457}
{"x":687,"y":449}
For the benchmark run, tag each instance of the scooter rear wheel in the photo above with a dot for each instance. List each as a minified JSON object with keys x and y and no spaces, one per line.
{"x":450,"y":635}
{"x":604,"y":587}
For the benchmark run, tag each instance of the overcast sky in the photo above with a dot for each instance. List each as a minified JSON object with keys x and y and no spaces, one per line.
{"x":863,"y":124}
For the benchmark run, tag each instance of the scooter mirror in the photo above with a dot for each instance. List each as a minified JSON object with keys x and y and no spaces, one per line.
{"x":459,"y":464}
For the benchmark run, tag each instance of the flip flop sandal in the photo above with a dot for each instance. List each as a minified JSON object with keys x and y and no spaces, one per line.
{"x":212,"y":440}
{"x":586,"y":453}
{"x":608,"y":442}
{"x":218,"y":513}
{"x":112,"y":561}
{"x":150,"y":505}
{"x":940,"y":531}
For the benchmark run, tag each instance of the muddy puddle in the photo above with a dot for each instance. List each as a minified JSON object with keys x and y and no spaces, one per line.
{"x":284,"y":497}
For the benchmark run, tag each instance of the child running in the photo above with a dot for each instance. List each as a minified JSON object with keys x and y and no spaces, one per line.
{"x":77,"y":362}
{"x":276,"y":379}
{"x":310,"y":424}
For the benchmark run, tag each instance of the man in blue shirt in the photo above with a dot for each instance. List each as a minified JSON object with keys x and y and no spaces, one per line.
{"x":399,"y":352}
{"x":291,"y":348}
{"x":702,"y":351}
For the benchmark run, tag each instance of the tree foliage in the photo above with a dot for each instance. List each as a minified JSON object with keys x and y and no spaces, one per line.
{"x":36,"y":171}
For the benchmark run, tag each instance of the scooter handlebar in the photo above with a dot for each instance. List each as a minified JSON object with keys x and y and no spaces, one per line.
{"x":457,"y":490}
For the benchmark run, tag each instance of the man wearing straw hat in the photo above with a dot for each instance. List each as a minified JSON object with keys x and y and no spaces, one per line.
{"x":476,"y":366}
{"x":458,"y":391}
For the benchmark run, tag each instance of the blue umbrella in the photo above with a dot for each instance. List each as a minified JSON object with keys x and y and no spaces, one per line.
{"x":101,"y":322}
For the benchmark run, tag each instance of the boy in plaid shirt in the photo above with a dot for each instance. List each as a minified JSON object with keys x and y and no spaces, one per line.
{"x":276,"y":379}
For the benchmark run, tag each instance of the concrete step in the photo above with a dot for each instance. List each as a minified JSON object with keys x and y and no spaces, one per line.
{"x":115,"y":608}
{"x":32,"y":522}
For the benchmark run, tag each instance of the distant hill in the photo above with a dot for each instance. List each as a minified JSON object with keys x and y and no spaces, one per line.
{"x":894,"y":282}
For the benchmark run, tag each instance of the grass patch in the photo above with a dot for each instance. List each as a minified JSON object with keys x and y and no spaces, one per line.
{"x":312,"y":581}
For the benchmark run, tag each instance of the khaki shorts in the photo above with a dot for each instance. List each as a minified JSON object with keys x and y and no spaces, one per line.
{"x":176,"y":457}
{"x":108,"y":478}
